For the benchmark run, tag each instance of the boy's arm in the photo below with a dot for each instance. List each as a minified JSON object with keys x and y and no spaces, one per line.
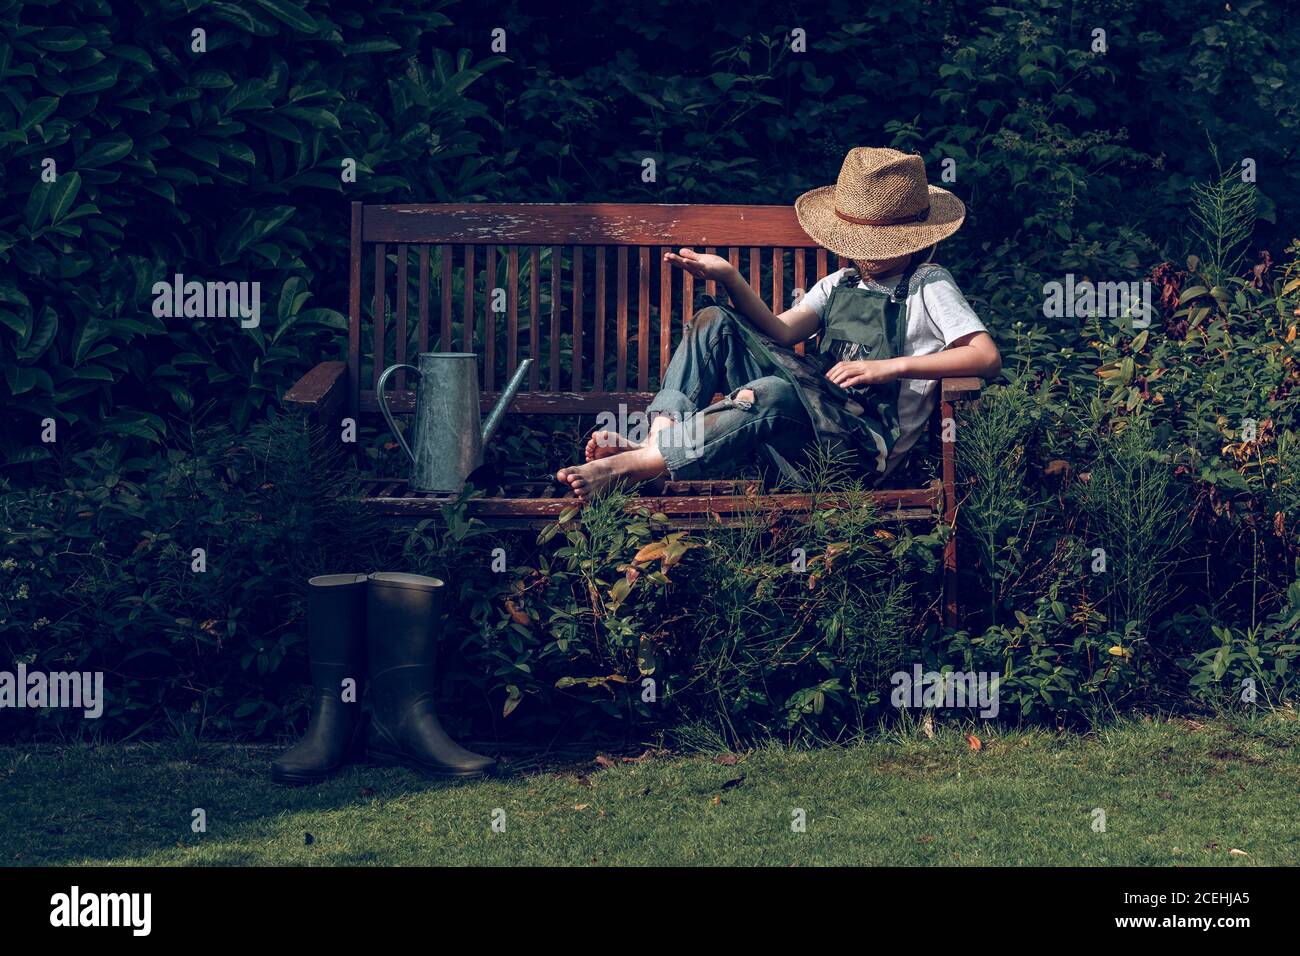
{"x":975,"y":354}
{"x":791,"y":326}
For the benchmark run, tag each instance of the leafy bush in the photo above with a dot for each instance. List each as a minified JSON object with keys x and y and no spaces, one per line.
{"x":103,"y":575}
{"x":220,"y":164}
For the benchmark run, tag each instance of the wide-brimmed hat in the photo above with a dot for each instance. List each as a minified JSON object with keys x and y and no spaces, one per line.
{"x":880,"y":207}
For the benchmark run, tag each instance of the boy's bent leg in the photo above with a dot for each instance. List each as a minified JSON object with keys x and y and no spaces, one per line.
{"x":712,"y":357}
{"x":714,"y":441}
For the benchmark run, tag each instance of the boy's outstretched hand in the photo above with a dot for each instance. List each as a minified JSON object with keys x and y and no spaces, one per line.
{"x":700,"y":264}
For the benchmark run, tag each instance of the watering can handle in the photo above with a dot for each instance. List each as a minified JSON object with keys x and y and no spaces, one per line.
{"x":381,"y":397}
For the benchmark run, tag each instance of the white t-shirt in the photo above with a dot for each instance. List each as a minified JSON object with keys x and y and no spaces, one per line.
{"x":937,"y":315}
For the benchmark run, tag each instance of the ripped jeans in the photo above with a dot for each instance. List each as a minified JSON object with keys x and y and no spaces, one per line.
{"x":711,"y":440}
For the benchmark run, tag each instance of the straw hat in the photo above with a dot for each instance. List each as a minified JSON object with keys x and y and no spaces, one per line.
{"x":880,"y":207}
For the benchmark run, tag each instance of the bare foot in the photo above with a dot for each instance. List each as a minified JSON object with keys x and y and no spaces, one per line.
{"x":595,"y":478}
{"x":603,"y":443}
{"x":589,"y":480}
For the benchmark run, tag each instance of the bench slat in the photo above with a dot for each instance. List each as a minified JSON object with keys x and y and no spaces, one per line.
{"x":688,"y":297}
{"x":525,"y":403}
{"x":467,"y":311}
{"x":557,"y":256}
{"x":489,"y":320}
{"x":353,"y":384}
{"x":577,"y":319}
{"x":598,"y":360}
{"x":512,"y":311}
{"x":534,"y":322}
{"x":799,"y":283}
{"x":620,"y":312}
{"x":665,"y":313}
{"x":586,"y":224}
{"x":905,"y":506}
{"x":423,"y":334}
{"x":377,"y":352}
{"x":643,"y":319}
{"x":778,"y":281}
{"x":444,"y":342}
{"x":399,"y":294}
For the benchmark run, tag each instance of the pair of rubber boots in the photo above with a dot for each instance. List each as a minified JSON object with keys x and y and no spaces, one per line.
{"x":381,"y":630}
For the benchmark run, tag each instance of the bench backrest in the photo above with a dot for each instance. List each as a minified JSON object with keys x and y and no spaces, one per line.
{"x":551,"y":282}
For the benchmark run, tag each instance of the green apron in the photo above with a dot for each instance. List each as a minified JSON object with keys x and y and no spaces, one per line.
{"x":858,"y":324}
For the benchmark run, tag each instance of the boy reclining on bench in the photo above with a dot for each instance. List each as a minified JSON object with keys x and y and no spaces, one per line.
{"x":890,"y":327}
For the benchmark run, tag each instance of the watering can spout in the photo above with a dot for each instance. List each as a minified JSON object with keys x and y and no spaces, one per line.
{"x":507,"y":396}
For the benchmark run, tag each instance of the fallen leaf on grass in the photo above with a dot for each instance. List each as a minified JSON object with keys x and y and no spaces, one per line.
{"x":603,"y":761}
{"x":974,"y":742}
{"x":727,"y":760}
{"x":927,"y":725}
{"x":581,"y":806}
{"x":646,"y":755}
{"x":1235,"y":852}
{"x":717,"y":799}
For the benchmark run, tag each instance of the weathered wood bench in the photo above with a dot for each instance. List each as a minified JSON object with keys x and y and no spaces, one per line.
{"x":540,"y":280}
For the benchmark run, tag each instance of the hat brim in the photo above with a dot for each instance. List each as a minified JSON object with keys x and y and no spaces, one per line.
{"x":816,"y":212}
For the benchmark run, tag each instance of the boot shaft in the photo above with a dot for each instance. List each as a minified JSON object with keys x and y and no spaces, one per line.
{"x":336,"y":630}
{"x":403,"y":621}
{"x":403,"y":625}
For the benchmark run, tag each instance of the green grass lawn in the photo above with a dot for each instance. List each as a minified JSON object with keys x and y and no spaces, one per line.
{"x":1173,"y":793}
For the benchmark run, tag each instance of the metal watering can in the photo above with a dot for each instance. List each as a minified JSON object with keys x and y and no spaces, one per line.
{"x":447,"y":436}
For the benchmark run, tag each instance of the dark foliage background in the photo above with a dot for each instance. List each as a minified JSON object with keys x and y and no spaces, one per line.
{"x":226,"y":165}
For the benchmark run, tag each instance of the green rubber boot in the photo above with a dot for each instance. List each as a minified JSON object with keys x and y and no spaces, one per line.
{"x":336,"y":632}
{"x":403,"y":624}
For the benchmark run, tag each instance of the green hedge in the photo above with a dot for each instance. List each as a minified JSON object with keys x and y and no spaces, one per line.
{"x":221,"y":165}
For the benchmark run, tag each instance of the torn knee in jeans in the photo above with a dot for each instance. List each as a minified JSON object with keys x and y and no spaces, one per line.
{"x":742,"y":398}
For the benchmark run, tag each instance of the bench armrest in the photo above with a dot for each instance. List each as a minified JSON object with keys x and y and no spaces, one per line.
{"x":320,"y":392}
{"x":960,"y":389}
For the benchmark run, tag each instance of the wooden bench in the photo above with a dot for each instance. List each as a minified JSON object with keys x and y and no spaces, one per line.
{"x":583,"y":290}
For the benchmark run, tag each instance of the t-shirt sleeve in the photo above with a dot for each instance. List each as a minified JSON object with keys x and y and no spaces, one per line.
{"x":947,"y":309}
{"x":817,"y":297}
